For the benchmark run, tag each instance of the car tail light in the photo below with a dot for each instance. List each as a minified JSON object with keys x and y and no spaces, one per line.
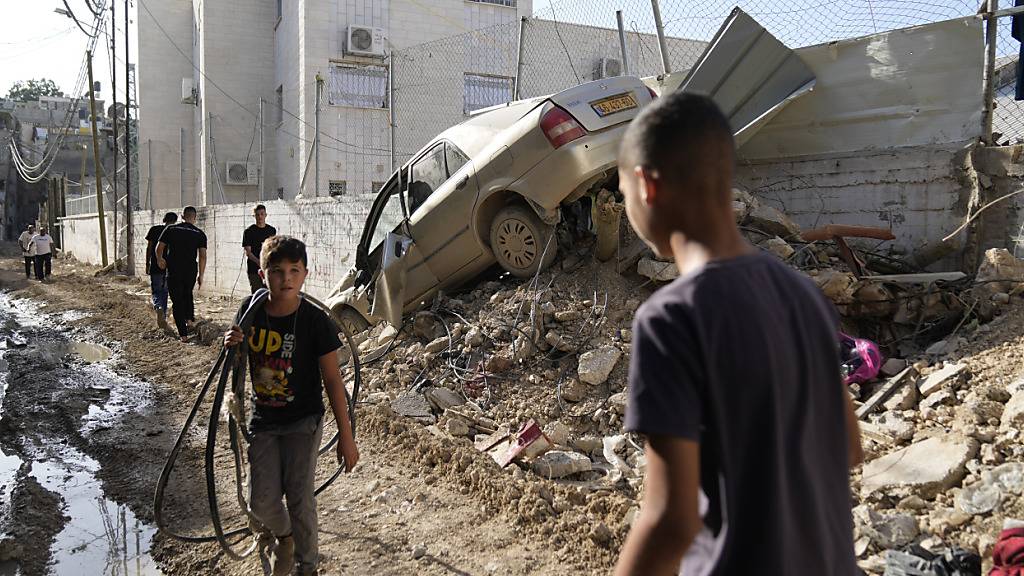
{"x":560,"y":128}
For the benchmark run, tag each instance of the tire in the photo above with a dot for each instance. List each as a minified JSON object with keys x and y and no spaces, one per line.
{"x":350,"y":319}
{"x":519,"y":238}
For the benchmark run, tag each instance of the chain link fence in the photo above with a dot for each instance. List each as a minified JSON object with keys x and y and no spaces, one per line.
{"x":1008,"y":112}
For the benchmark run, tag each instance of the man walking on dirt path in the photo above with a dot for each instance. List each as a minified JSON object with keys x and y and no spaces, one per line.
{"x":25,"y":241}
{"x":157,"y":275}
{"x":43,"y":248}
{"x":734,"y":375}
{"x":252,"y":242}
{"x":292,"y":358}
{"x":177,"y":252}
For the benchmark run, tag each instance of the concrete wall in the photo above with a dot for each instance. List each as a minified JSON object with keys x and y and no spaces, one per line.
{"x":80,"y":237}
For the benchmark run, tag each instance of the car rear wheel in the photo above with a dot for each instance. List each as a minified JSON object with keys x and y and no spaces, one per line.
{"x":519,"y":239}
{"x":350,"y":319}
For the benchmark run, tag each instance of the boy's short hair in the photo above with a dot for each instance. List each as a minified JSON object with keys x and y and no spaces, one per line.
{"x":680,"y":136}
{"x":258,"y":208}
{"x":170,"y":218}
{"x":189,"y":210}
{"x":278,"y":248}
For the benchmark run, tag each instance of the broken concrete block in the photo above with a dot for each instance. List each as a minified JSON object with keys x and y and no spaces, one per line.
{"x":1000,"y":264}
{"x":413,"y":405}
{"x":387,"y":335}
{"x":837,"y":286}
{"x":437,"y":345}
{"x":936,"y":380}
{"x":424,"y":326}
{"x":474,"y":337}
{"x":779,"y":247}
{"x":897,"y":427}
{"x":442,"y":398}
{"x":941,"y":398}
{"x":498,"y":363}
{"x":1013,"y":412}
{"x":586,"y":444}
{"x":893,"y":366}
{"x":573,"y":390}
{"x":741,"y":195}
{"x":567,"y":316}
{"x":890,"y":530}
{"x":944,"y":347}
{"x":617,"y":403}
{"x":558,"y":433}
{"x":740,"y":211}
{"x":558,"y":342}
{"x":925,"y":468}
{"x":906,"y":398}
{"x":770,"y":220}
{"x":559,"y":464}
{"x":657,"y":270}
{"x":457,"y":427}
{"x":596,"y":365}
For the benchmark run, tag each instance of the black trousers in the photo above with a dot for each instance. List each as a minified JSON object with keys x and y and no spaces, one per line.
{"x":29,"y":263}
{"x":43,"y":265}
{"x":179,"y":288}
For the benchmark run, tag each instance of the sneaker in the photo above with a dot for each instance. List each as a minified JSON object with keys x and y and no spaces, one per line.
{"x":283,"y":557}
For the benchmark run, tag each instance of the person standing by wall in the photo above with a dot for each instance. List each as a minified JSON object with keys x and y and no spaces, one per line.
{"x":177,"y":252}
{"x":157,"y":275}
{"x":43,"y":257}
{"x":252,"y":243}
{"x":27,"y":249}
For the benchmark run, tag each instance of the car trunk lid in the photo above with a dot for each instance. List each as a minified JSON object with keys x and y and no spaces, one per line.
{"x":604,"y":103}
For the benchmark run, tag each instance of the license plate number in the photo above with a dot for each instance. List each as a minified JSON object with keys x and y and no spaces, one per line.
{"x":613,"y":104}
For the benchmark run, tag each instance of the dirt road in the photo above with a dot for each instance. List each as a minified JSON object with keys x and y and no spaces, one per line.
{"x":417,"y":504}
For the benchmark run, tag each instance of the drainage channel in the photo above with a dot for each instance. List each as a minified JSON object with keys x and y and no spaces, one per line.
{"x":88,"y":532}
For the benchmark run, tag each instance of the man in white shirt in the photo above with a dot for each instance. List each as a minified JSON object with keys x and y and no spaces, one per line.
{"x":27,"y":248}
{"x":43,"y":246}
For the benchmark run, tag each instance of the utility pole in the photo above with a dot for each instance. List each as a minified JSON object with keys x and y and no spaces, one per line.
{"x":259,"y":175}
{"x":316,"y":141}
{"x":96,"y":164}
{"x":666,"y":68}
{"x":622,"y":43}
{"x":391,"y":108}
{"x":113,"y":94}
{"x":517,"y":86}
{"x":129,"y":205}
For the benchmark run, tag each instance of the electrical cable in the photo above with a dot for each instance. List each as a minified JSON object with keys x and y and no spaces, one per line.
{"x":71,"y":14}
{"x":230,"y":365}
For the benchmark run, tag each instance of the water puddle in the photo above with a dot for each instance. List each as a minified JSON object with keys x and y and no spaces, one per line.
{"x":102,"y":537}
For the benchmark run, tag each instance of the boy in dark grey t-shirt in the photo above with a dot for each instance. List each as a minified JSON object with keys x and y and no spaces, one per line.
{"x":734,"y":376}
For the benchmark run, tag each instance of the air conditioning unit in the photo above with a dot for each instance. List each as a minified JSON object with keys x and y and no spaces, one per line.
{"x":607,"y":68}
{"x":364,"y":41}
{"x":188,"y":91}
{"x":240,"y":173}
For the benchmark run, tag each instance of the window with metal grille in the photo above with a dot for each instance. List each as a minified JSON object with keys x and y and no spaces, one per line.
{"x":337,"y":187}
{"x":509,"y":3}
{"x":481,"y":91}
{"x":279,"y":105}
{"x":359,"y":86}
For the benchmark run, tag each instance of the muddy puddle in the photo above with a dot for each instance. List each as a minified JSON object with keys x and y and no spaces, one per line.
{"x":50,"y":495}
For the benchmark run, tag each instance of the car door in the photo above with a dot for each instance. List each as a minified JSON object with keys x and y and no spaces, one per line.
{"x":443,"y":190}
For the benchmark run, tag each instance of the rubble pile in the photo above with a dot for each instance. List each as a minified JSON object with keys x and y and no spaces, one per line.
{"x":533,"y":374}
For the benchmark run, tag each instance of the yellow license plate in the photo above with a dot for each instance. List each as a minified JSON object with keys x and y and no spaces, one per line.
{"x":613,"y":104}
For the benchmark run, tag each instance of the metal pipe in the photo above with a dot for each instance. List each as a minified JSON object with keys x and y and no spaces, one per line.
{"x":666,"y":68}
{"x":391,"y":109}
{"x":519,"y":59}
{"x":96,"y":163}
{"x":129,"y":205}
{"x":991,"y":36}
{"x":622,"y":43}
{"x":316,"y":140}
{"x":149,"y":181}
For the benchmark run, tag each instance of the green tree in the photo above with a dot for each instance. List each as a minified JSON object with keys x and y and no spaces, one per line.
{"x":31,"y":90}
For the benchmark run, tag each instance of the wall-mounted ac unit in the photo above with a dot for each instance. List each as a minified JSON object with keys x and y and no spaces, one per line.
{"x":607,"y":68}
{"x":364,"y":41}
{"x":240,"y":173}
{"x":188,"y":91}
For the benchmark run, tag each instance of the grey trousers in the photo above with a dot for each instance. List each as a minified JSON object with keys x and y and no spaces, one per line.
{"x":282,"y":463}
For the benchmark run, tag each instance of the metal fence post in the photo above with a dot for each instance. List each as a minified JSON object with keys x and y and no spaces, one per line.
{"x":991,"y":36}
{"x":622,"y":43}
{"x":666,"y":68}
{"x":519,"y":59}
{"x":391,"y":109}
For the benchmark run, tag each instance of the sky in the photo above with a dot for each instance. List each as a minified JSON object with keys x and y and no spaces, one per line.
{"x":39,"y":43}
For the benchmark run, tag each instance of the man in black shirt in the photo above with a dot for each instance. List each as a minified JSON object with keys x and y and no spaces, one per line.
{"x":734,"y":375}
{"x":252,"y":243}
{"x":177,"y":252}
{"x":157,"y":275}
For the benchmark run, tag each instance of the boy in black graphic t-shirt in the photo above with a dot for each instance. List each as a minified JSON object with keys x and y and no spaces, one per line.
{"x":292,"y":358}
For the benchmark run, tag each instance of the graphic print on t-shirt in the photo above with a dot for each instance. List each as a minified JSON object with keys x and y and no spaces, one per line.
{"x":270,"y":354}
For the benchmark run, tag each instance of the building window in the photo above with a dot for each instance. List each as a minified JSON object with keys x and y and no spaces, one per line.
{"x":279,"y":105}
{"x":509,"y":3}
{"x":375,"y":187}
{"x":337,"y":187}
{"x":359,"y":86}
{"x":481,"y":91}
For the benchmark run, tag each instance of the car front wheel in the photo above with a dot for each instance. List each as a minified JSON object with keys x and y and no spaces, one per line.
{"x":519,"y":240}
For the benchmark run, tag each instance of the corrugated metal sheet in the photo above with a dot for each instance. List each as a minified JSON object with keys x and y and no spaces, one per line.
{"x":911,"y":87}
{"x":749,"y":73}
